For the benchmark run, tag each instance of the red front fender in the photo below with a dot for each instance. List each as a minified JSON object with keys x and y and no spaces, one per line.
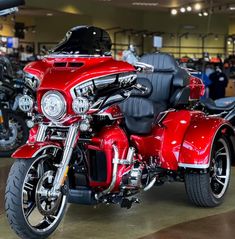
{"x":197,"y":144}
{"x":31,"y":150}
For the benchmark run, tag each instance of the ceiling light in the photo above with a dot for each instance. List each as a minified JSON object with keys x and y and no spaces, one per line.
{"x":229,"y":42}
{"x":49,"y":14}
{"x":232,"y":7}
{"x":174,"y":11}
{"x":197,"y":6}
{"x":147,"y":4}
{"x":189,"y":8}
{"x":205,"y":14}
{"x":200,"y":14}
{"x":182,"y":9}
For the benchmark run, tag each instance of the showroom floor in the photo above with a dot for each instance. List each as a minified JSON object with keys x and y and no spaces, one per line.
{"x":164,"y":213}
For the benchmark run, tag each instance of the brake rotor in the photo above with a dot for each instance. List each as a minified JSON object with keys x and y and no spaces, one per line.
{"x":47,"y":205}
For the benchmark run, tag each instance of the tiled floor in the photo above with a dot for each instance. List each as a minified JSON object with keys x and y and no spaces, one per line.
{"x":164,"y":213}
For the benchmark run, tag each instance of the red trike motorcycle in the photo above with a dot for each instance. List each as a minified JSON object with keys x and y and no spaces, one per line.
{"x":104,"y":132}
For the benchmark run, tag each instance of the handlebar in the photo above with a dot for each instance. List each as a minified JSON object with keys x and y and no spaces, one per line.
{"x":143,"y":67}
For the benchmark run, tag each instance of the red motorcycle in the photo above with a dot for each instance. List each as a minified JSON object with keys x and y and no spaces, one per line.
{"x":104,"y":133}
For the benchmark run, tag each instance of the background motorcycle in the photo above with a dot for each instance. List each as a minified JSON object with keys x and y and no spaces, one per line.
{"x":14,"y":100}
{"x":224,"y":108}
{"x":87,"y":150}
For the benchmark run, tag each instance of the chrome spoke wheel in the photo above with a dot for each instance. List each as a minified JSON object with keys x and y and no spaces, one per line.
{"x":41,"y":211}
{"x":32,"y":211}
{"x":220,"y":168}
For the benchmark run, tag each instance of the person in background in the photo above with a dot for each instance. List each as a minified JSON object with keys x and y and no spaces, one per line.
{"x":219,"y":83}
{"x":209,"y":69}
{"x":206,"y":79}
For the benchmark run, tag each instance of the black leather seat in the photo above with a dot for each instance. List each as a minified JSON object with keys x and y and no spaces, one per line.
{"x":211,"y":105}
{"x":169,"y":90}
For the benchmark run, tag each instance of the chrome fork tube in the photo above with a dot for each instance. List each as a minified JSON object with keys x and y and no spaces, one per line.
{"x":41,"y":133}
{"x":68,"y":150}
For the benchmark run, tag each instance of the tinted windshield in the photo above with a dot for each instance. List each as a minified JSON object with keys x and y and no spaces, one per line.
{"x":85,"y":40}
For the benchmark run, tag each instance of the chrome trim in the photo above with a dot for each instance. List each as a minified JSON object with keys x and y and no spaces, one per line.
{"x":109,"y":115}
{"x":228,"y":170}
{"x":129,"y":157}
{"x":63,"y":113}
{"x":60,"y":211}
{"x":114,"y":177}
{"x":150,"y":185}
{"x":41,"y":133}
{"x":132,"y":73}
{"x":45,"y":147}
{"x":68,"y":150}
{"x":72,"y":90}
{"x":199,"y":166}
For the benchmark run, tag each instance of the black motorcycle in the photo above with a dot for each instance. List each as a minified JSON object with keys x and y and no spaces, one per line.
{"x":16,"y":97}
{"x":224,"y":108}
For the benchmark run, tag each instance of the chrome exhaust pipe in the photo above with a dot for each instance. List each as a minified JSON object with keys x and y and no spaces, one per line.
{"x":114,"y":177}
{"x":150,"y":184}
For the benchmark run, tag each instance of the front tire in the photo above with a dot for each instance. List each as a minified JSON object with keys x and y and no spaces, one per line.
{"x":208,"y":189}
{"x":24,"y":215}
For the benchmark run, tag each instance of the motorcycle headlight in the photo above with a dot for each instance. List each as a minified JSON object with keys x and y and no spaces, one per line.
{"x":80,"y":105}
{"x":25,"y":103}
{"x":53,"y":105}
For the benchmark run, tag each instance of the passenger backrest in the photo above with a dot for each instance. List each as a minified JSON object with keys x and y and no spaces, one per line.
{"x":166,"y":78}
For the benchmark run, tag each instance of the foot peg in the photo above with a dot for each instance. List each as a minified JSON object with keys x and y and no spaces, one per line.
{"x":127,"y":203}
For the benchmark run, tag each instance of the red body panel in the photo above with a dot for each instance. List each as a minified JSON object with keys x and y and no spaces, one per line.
{"x":198,"y":140}
{"x":165,"y":142}
{"x":29,"y":150}
{"x":103,"y":141}
{"x":186,"y":137}
{"x":64,"y":78}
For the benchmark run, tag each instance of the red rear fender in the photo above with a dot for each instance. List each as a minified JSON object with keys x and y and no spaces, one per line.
{"x":196,"y":148}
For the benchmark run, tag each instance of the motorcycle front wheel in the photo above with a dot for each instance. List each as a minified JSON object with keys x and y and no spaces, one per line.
{"x":16,"y":136}
{"x":32,"y":213}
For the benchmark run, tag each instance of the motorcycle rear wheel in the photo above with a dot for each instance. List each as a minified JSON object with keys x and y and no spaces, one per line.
{"x":31,"y":214}
{"x":209,"y":189}
{"x":18,"y":135}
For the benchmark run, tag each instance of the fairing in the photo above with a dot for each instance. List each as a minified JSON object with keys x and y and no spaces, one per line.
{"x":57,"y":73}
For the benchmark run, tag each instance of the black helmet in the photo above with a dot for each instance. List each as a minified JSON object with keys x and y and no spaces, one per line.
{"x":85,"y":40}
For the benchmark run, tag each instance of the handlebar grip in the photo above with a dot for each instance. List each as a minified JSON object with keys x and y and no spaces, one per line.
{"x":141,"y":87}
